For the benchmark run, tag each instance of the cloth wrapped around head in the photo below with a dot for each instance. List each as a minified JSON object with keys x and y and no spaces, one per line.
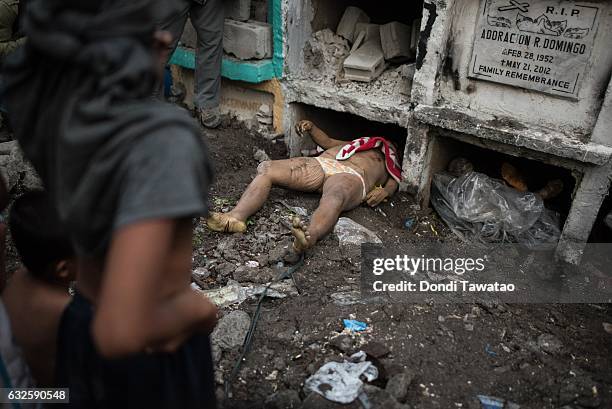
{"x":79,"y":96}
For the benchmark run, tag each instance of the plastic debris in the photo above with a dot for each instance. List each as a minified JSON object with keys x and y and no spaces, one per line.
{"x":350,"y":232}
{"x":341,"y":381}
{"x":234,"y":294}
{"x":491,"y":402}
{"x":355,"y":326}
{"x":477,"y":207}
{"x":489,"y":351}
{"x":409,"y":223}
{"x":252,"y":264}
{"x":347,"y":298}
{"x":300,"y":211}
{"x":607,"y":327}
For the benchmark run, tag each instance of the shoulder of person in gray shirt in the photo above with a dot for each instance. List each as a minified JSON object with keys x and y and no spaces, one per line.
{"x":165,"y":176}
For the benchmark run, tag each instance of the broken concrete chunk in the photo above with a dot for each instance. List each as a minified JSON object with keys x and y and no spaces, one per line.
{"x":364,"y":76}
{"x":238,"y":9}
{"x":395,"y":39}
{"x":358,"y":41}
{"x":366,"y":63}
{"x":231,"y":330}
{"x":351,"y":17}
{"x":368,"y":57}
{"x":247,"y":40}
{"x":351,"y":236}
{"x":398,"y":385}
{"x":372,"y":31}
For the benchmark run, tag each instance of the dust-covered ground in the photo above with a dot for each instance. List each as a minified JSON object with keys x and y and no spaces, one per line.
{"x":439,"y":356}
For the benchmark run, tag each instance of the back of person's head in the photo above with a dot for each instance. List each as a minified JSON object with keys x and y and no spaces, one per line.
{"x":42,"y":243}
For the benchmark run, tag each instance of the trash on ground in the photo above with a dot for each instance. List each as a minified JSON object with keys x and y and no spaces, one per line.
{"x":355,"y":326}
{"x":607,"y":327}
{"x":300,"y":211}
{"x":491,"y":402}
{"x":475,"y":206}
{"x":341,"y":381}
{"x":234,"y":293}
{"x":489,"y":351}
{"x":351,"y":232}
{"x":409,"y":223}
{"x":347,"y":298}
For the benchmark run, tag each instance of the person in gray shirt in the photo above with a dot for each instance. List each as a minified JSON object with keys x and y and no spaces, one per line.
{"x":207,"y":16}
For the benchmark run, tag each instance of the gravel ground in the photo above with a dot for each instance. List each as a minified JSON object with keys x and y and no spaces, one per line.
{"x":428,"y":356}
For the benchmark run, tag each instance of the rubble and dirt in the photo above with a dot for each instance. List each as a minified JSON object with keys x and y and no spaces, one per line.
{"x":324,"y":55}
{"x":428,"y":355}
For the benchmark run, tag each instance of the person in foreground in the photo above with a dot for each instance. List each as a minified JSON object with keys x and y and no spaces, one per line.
{"x":346,"y":174}
{"x":37,"y":293}
{"x":127,"y":174}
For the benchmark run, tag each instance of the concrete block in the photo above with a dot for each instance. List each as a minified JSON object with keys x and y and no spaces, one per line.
{"x":367,"y":57}
{"x":190,"y":37}
{"x":239,"y":10}
{"x":351,"y":17}
{"x":247,"y":40}
{"x":372,"y":31}
{"x":395,"y":39}
{"x":366,"y":63}
{"x":364,"y":76}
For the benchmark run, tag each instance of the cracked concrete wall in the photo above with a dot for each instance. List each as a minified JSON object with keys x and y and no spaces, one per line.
{"x":602,"y":133}
{"x":297,"y":17}
{"x":575,"y":119}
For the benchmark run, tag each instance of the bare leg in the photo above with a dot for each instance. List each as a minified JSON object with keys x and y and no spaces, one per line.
{"x":303,"y":174}
{"x":341,"y":192}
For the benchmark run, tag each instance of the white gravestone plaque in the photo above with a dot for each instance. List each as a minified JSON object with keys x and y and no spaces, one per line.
{"x":543,"y":45}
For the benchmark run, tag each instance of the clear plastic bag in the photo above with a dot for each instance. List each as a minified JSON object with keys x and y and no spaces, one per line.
{"x":478,"y":207}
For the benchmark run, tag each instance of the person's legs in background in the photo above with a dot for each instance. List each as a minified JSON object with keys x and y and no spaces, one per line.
{"x":208,"y":20}
{"x":174,"y":13}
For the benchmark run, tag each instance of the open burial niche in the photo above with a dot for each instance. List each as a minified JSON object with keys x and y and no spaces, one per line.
{"x":363,"y":46}
{"x":344,"y":126}
{"x":488,"y":195}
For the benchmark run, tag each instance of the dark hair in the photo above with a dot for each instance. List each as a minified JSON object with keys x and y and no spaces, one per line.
{"x":37,"y":233}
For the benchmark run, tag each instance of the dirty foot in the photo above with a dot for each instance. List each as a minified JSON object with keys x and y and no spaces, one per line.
{"x":225,"y":223}
{"x":551,"y":190}
{"x":513,"y":177}
{"x":301,"y":234}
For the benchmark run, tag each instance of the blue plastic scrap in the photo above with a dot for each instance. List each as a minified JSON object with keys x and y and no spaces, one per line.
{"x":491,"y":402}
{"x":409,"y":223}
{"x":355,"y":326}
{"x":489,"y":351}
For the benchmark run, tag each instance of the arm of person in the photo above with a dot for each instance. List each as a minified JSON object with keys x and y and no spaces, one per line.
{"x":378,"y":194}
{"x":132,"y":314}
{"x":318,"y":136}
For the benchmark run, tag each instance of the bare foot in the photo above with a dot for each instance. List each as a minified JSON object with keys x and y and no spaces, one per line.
{"x":301,"y":234}
{"x":513,"y":177}
{"x":225,"y":223}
